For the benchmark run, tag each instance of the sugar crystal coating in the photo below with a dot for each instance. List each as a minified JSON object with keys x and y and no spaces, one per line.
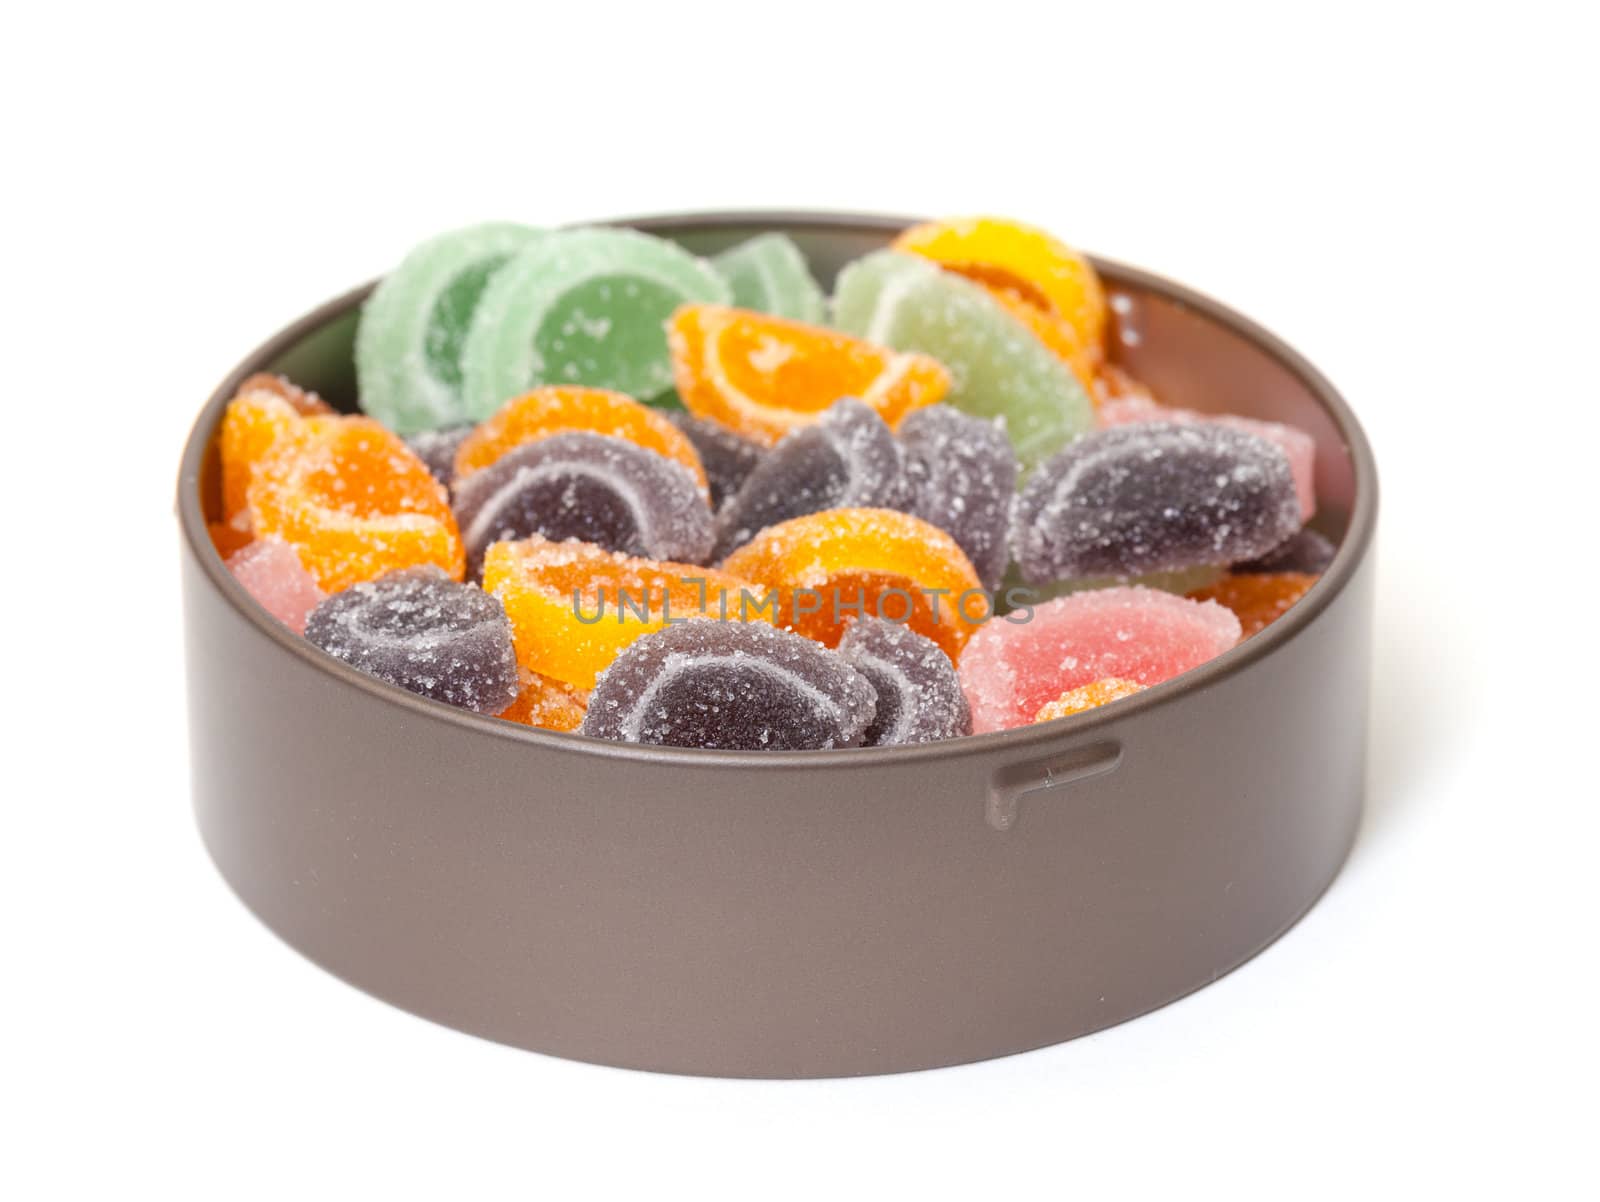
{"x":1258,"y":599}
{"x":1088,"y":697}
{"x":963,"y":476}
{"x":272,"y":573}
{"x":422,"y":631}
{"x":730,"y":686}
{"x":437,"y":449}
{"x":846,"y":458}
{"x":1154,"y":497}
{"x":1306,"y":551}
{"x":727,"y":458}
{"x":601,"y":490}
{"x":919,"y":694}
{"x":1011,"y":669}
{"x":769,"y":274}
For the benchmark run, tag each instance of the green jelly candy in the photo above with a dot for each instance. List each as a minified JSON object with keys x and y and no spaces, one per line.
{"x":582,"y":307}
{"x":769,"y":274}
{"x":413,"y":326}
{"x":998,"y":367}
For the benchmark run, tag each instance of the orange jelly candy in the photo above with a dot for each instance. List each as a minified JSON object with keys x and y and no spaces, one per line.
{"x":1021,"y":259}
{"x":547,"y":703}
{"x":1056,"y":333}
{"x":1113,"y":383}
{"x":574,"y":606}
{"x":762,"y":376}
{"x":1257,"y":599}
{"x":264,"y":408}
{"x":561,"y":410}
{"x":1090,"y":696}
{"x":825,"y":569}
{"x":355,"y":502}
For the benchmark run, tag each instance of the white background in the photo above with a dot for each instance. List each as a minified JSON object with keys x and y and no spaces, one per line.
{"x":1408,"y":197}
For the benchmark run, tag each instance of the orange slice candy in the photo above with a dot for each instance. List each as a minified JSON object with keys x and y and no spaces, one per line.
{"x":574,"y":606}
{"x":264,"y":408}
{"x":355,"y":502}
{"x":1258,"y":599}
{"x":548,"y":704}
{"x":558,"y":410}
{"x":1090,"y":696}
{"x":762,"y":376}
{"x":826,"y":569}
{"x":1010,"y":256}
{"x":1055,"y":332}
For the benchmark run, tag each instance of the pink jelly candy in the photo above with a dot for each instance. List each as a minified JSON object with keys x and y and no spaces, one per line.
{"x":1292,"y":441}
{"x":272,"y":573}
{"x":1018,"y":663}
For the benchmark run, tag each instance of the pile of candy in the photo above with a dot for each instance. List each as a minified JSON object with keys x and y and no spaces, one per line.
{"x":602,"y":485}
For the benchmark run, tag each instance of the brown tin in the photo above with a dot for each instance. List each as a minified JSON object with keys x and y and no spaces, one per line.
{"x":795,"y":914}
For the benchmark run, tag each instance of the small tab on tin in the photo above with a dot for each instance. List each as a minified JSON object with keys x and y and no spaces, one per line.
{"x":1011,"y":785}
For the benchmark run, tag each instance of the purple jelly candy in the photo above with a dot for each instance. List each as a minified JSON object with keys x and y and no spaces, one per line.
{"x":963,"y":476}
{"x":421,"y":630}
{"x":919,"y":694}
{"x":590,"y":487}
{"x":727,"y":458}
{"x":846,"y":458}
{"x":1307,"y":552}
{"x":437,"y":449}
{"x":1154,"y":497}
{"x":734,"y":686}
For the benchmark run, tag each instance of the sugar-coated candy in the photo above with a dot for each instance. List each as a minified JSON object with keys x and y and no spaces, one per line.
{"x":1015,"y":592}
{"x":1088,"y":697}
{"x":547,"y":703}
{"x":1022,"y":259}
{"x":264,"y":408}
{"x":1295,"y":443}
{"x":1306,"y":551}
{"x":563,"y":410}
{"x":763,"y":376}
{"x":354,"y":501}
{"x":998,"y":366}
{"x":919,"y":694}
{"x":414,"y":326}
{"x":574,"y":606}
{"x":1057,"y":334}
{"x":421,"y":630}
{"x":272,"y":573}
{"x":582,"y":307}
{"x":1257,"y":599}
{"x":591,"y":487}
{"x":730,"y":686}
{"x":1153,"y":497}
{"x":1011,"y":668}
{"x":847,"y":458}
{"x":769,"y":274}
{"x":437,"y":449}
{"x":727,"y":458}
{"x":826,"y":568}
{"x":963,"y":475}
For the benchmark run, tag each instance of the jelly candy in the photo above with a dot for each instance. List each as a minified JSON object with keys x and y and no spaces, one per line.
{"x":547,"y":411}
{"x":1088,"y":697}
{"x":1012,"y":667}
{"x":353,"y":500}
{"x":582,"y":307}
{"x":1113,"y":383}
{"x":919,"y":695}
{"x":769,"y":274}
{"x":1299,"y":446}
{"x":421,"y":630}
{"x":727,"y":458}
{"x":1306,"y":551}
{"x":574,"y":606}
{"x":846,"y":458}
{"x":1057,"y":334}
{"x":414,"y":326}
{"x":963,"y":476}
{"x":437,"y":449}
{"x":828,"y":567}
{"x":1151,"y":498}
{"x":733,"y":687}
{"x":605,"y":491}
{"x":998,"y":367}
{"x":272,"y":573}
{"x":1019,"y":258}
{"x":1257,"y":599}
{"x":763,"y":376}
{"x":546,"y":703}
{"x":264,"y":408}
{"x":1015,"y":592}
